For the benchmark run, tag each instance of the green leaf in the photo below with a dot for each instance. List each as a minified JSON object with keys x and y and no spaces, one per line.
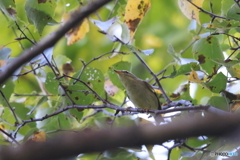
{"x":233,"y":12}
{"x":206,"y":50}
{"x":218,"y":83}
{"x":39,"y":13}
{"x":122,"y":65}
{"x":172,"y":52}
{"x":80,"y":94}
{"x":219,"y":102}
{"x":186,"y":68}
{"x":51,"y":84}
{"x":64,"y":121}
{"x":8,"y":7}
{"x":7,"y":89}
{"x":77,"y":114}
{"x":94,"y":78}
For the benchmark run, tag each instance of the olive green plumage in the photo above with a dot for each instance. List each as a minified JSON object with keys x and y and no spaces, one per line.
{"x":139,"y":92}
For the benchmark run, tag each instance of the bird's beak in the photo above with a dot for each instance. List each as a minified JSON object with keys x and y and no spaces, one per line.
{"x":117,"y":71}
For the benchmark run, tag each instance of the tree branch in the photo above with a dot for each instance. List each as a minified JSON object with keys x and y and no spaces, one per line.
{"x":51,"y":39}
{"x":71,"y":144}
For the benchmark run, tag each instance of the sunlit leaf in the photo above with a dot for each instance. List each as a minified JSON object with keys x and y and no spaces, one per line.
{"x":134,"y":13}
{"x":78,"y":32}
{"x":189,"y":10}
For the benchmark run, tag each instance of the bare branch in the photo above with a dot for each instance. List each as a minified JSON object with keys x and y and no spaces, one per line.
{"x":97,"y":141}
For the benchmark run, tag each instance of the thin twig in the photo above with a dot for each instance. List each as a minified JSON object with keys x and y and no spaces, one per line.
{"x":209,"y":13}
{"x":10,"y":107}
{"x":10,"y":136}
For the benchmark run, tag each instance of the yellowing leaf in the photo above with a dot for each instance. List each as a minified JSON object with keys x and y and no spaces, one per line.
{"x":38,"y":136}
{"x":76,"y":33}
{"x":189,"y":10}
{"x":193,"y":77}
{"x":110,"y":88}
{"x":134,"y":13}
{"x":2,"y":126}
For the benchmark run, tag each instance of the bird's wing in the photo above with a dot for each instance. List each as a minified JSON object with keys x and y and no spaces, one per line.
{"x":152,"y":90}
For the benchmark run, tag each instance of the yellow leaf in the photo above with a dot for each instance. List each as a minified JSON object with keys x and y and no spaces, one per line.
{"x":134,"y":13}
{"x":190,"y":11}
{"x":2,"y":126}
{"x":76,"y":33}
{"x":38,"y":136}
{"x":193,"y":77}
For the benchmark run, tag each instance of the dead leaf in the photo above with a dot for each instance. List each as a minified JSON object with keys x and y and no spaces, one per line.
{"x":193,"y":77}
{"x":134,"y":12}
{"x":67,"y":68}
{"x":190,"y":11}
{"x":76,"y":33}
{"x":110,"y":88}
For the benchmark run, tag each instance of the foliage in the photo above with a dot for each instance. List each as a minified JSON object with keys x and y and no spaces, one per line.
{"x":62,"y":89}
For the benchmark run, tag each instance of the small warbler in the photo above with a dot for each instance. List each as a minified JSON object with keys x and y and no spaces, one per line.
{"x":140,"y":92}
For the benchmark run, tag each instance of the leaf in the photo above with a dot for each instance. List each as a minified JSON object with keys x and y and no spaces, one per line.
{"x":7,"y":89}
{"x":78,"y":32}
{"x":67,"y":68}
{"x":193,"y":77}
{"x":8,"y":7}
{"x":115,"y":30}
{"x":94,"y":78}
{"x":134,"y":12}
{"x":110,"y":88}
{"x":122,"y":65}
{"x":51,"y":84}
{"x":206,"y":50}
{"x":189,"y":10}
{"x":40,"y":59}
{"x":184,"y":69}
{"x":218,"y":83}
{"x":80,"y":93}
{"x":147,"y":51}
{"x":219,"y":102}
{"x":39,"y":13}
{"x":233,"y":12}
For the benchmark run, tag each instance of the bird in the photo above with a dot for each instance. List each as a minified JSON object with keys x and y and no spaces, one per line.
{"x":140,"y":92}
